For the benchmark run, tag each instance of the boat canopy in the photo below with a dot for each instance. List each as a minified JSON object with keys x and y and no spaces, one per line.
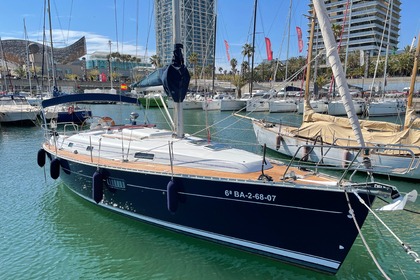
{"x":71,"y":98}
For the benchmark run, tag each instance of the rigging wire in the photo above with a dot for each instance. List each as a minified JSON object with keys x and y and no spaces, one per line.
{"x":116,"y":23}
{"x":148,"y":29}
{"x":59,"y":23}
{"x":122,"y":31}
{"x":70,"y":16}
{"x":137,"y":26}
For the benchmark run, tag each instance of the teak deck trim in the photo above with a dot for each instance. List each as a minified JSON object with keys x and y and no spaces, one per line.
{"x":276,"y":172}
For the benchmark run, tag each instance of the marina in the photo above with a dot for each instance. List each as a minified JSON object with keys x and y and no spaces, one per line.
{"x":57,"y":225}
{"x":164,"y":180}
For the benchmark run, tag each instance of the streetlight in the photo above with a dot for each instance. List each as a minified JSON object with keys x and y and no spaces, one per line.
{"x":84,"y":68}
{"x":110,"y":65}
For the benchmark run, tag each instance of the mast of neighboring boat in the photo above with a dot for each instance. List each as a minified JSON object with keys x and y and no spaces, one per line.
{"x":288,"y":40}
{"x":55,"y":87}
{"x":410,"y":110}
{"x":337,"y":68}
{"x":387,"y":43}
{"x":214,"y":52}
{"x":306,"y":103}
{"x":253,"y":48}
{"x":4,"y":64}
{"x":348,"y":37}
{"x":6,"y":68}
{"x":27,"y":57}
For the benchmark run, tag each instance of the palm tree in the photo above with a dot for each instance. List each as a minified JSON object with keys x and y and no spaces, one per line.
{"x":244,"y":68}
{"x":336,"y":30}
{"x":193,"y":59}
{"x":155,"y":61}
{"x":20,"y":71}
{"x":233,"y":64}
{"x":248,"y":51}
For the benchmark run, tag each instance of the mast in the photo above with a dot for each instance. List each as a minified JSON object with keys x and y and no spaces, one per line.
{"x":348,"y":37}
{"x":410,"y":111}
{"x":110,"y":64}
{"x":288,"y":40}
{"x":387,"y":42}
{"x":176,"y":31}
{"x":253,"y":47}
{"x":337,"y":68}
{"x":27,"y":57}
{"x":55,"y":88}
{"x":3,"y":56}
{"x":214,"y":52}
{"x":4,"y":65}
{"x":306,"y":103}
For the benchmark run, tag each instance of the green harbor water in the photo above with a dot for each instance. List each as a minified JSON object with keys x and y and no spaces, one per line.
{"x":49,"y":233}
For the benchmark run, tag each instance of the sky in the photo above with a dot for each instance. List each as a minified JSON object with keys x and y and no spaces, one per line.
{"x":129,"y":25}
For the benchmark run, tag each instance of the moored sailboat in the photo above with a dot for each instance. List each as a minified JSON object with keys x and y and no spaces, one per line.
{"x":16,"y":110}
{"x":330,"y":141}
{"x":209,"y":190}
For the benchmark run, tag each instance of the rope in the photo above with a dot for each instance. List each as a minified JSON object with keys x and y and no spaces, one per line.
{"x":405,"y":246}
{"x":360,"y":232}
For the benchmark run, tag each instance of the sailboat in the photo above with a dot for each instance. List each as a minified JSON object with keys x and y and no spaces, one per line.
{"x":64,"y":113}
{"x":209,"y":190}
{"x":325,"y":140}
{"x":15,"y":108}
{"x":386,"y":106}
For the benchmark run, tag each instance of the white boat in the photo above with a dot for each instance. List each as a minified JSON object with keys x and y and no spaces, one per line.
{"x":336,"y":107}
{"x":260,"y":101}
{"x":191,"y":102}
{"x":208,"y":190}
{"x":319,"y":106}
{"x":386,"y":107}
{"x":15,"y":109}
{"x":282,"y":105}
{"x":37,"y":99}
{"x":223,"y":102}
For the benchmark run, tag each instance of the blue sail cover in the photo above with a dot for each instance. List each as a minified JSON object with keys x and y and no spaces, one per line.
{"x":175,"y":77}
{"x":153,"y":79}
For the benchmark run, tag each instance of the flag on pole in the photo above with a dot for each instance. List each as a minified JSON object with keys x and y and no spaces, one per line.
{"x":300,"y":42}
{"x":268,"y":49}
{"x":227,"y":50}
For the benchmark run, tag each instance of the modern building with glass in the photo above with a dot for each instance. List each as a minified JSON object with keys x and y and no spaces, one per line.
{"x":368,"y":25}
{"x":123,"y":67}
{"x":197,"y":30}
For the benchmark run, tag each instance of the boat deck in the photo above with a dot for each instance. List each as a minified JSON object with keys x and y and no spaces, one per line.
{"x":276,"y":172}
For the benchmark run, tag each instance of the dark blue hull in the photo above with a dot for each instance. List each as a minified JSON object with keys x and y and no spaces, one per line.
{"x":311,"y":228}
{"x":75,"y":117}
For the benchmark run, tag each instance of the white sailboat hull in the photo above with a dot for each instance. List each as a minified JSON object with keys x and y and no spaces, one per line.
{"x":277,"y":138}
{"x":336,"y":108}
{"x":392,"y":107}
{"x":319,"y":106}
{"x":257,"y":105}
{"x":282,"y":106}
{"x":224,"y":104}
{"x":10,"y":115}
{"x":187,"y":104}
